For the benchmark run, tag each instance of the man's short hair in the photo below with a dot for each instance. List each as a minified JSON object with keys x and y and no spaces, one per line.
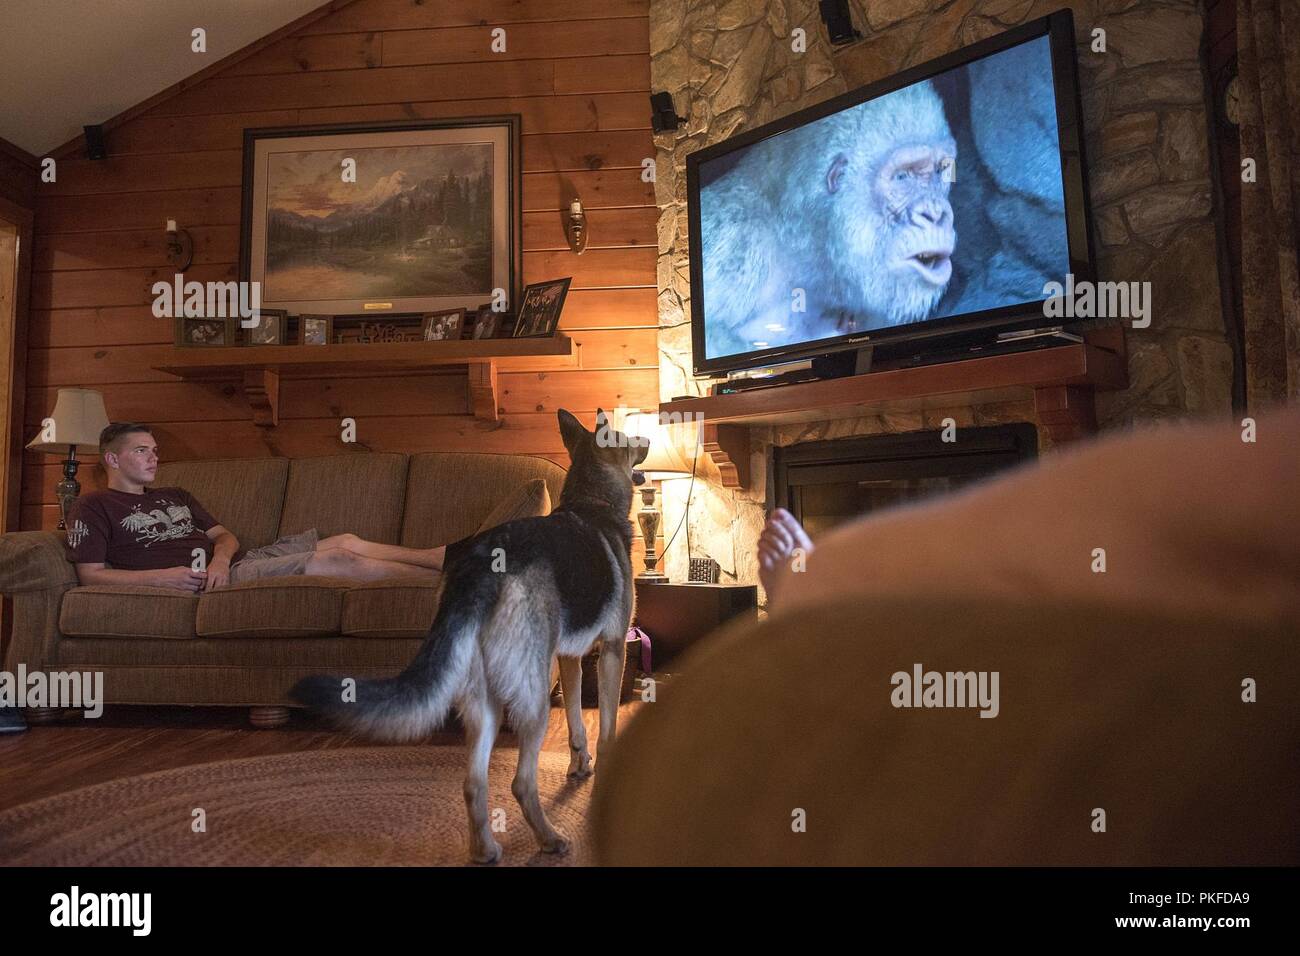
{"x":109,"y":436}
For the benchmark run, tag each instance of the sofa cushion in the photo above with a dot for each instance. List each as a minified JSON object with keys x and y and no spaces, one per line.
{"x":307,"y":606}
{"x":449,"y":494}
{"x":529,"y":500}
{"x":394,"y":607}
{"x":360,"y":493}
{"x":119,"y":610}
{"x":243,"y":494}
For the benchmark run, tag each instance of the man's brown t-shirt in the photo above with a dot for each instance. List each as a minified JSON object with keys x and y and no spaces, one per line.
{"x":147,"y":532}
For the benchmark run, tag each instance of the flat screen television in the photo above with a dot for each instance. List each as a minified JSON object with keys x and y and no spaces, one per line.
{"x":932,"y":204}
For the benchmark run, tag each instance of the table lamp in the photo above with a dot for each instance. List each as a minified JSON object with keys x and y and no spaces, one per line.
{"x":664,"y":460}
{"x":73,"y":427}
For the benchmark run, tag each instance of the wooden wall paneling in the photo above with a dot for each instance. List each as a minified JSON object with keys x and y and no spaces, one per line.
{"x":453,"y":81}
{"x":577,"y":72}
{"x":17,"y":176}
{"x":136,"y":324}
{"x":595,"y":349}
{"x":405,"y":15}
{"x":143,"y":247}
{"x":449,"y":44}
{"x":16,"y":241}
{"x":540,"y":115}
{"x":17,"y":185}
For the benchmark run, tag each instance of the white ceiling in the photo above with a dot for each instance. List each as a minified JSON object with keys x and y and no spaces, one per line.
{"x":65,"y":64}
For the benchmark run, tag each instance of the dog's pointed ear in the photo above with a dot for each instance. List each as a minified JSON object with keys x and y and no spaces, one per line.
{"x":571,"y":430}
{"x":602,"y":420}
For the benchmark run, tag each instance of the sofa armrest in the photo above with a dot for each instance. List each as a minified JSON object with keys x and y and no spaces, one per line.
{"x":34,"y":561}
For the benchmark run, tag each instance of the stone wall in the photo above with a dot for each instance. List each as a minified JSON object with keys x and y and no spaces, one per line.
{"x":731,"y":66}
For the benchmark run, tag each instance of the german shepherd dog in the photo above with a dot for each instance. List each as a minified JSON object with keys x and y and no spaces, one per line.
{"x":515,"y":597}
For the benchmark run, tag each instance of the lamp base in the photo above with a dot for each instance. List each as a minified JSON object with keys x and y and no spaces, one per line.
{"x":650,"y":574}
{"x":69,"y":488}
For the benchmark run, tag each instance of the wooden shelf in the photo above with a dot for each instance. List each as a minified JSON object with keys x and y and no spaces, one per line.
{"x":259,"y":367}
{"x":1060,"y":380}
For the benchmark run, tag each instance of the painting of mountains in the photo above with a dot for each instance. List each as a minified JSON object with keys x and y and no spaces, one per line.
{"x":416,"y":222}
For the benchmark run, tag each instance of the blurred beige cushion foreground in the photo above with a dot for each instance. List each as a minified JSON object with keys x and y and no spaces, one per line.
{"x":1141,"y":716}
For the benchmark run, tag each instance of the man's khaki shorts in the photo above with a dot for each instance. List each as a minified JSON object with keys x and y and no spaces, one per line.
{"x":285,"y":556}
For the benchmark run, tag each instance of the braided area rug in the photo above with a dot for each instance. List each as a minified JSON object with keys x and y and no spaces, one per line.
{"x":368,"y":806}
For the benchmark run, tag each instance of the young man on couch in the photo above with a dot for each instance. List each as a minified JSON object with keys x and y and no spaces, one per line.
{"x":135,"y":534}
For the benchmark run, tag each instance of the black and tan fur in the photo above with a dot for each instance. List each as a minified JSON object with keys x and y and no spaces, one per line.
{"x":566,"y":585}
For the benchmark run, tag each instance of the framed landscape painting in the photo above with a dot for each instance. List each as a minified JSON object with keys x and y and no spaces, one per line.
{"x":412,"y":216}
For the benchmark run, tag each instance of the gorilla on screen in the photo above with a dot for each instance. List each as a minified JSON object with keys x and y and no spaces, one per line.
{"x":939,"y":199}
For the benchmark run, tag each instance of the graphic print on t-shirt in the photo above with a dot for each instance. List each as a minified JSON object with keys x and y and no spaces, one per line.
{"x":158,"y":525}
{"x":77,"y":533}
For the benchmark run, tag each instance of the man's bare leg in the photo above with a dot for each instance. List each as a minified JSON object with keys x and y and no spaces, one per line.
{"x":343,"y":563}
{"x":431,"y":558}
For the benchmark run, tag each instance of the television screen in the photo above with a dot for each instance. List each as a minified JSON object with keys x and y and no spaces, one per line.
{"x":935,"y":202}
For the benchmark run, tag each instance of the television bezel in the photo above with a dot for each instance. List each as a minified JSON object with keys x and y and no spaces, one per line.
{"x":1059,"y":28}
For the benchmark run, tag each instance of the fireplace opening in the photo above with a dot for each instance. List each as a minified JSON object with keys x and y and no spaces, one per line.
{"x":825,"y":483}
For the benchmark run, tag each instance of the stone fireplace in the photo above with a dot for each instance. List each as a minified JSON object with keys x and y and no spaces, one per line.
{"x":732,"y":65}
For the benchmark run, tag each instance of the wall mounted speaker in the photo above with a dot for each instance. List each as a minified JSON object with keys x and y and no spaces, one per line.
{"x":95,"y":147}
{"x":839,"y":24}
{"x":663,"y":114}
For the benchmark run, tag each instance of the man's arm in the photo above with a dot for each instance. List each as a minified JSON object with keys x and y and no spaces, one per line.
{"x":224,"y":546}
{"x":180,"y":579}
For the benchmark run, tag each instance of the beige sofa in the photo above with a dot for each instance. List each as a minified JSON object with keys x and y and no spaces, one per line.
{"x":246,"y":645}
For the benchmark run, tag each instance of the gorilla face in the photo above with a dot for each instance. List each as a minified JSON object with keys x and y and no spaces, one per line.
{"x":833,"y":228}
{"x":899,"y":226}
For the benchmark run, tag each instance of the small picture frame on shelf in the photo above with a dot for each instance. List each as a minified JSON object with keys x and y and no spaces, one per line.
{"x":486,"y":323}
{"x":539,"y":312}
{"x":442,"y":326}
{"x":270,"y":328}
{"x":204,"y":332}
{"x":316,"y":329}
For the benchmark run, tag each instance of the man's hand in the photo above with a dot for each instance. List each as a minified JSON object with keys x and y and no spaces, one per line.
{"x":218,"y":574}
{"x":182,"y":579}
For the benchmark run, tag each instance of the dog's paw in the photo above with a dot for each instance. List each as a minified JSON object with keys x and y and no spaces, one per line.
{"x":580,"y":764}
{"x":558,"y":844}
{"x":489,"y":852}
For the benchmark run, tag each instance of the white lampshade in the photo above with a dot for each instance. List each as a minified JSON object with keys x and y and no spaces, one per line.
{"x":665,"y":459}
{"x":79,"y":417}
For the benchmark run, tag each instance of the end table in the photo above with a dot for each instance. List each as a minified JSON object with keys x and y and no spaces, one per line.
{"x":677,"y":615}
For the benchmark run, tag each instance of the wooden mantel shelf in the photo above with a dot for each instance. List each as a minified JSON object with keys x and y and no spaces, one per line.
{"x":1061,"y":381}
{"x":259,"y":368}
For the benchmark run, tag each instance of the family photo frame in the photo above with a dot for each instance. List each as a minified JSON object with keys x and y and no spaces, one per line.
{"x":442,"y":326}
{"x":270,"y":328}
{"x":540,"y":307}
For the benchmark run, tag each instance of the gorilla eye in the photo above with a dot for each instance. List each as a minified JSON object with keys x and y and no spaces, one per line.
{"x":901,"y":175}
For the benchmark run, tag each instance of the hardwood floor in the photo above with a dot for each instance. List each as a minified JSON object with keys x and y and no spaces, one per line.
{"x":125,"y":741}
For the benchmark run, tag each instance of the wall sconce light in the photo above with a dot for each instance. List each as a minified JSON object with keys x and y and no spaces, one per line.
{"x":180,"y":247}
{"x":575,"y":228}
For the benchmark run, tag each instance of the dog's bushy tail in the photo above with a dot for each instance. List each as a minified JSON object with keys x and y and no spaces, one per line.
{"x":407,"y":706}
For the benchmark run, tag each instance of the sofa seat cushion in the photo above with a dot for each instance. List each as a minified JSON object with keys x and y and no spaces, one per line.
{"x":298,"y":606}
{"x":448,"y":494}
{"x":529,"y":500}
{"x":120,"y":610}
{"x":243,"y":494}
{"x":359,"y":493}
{"x":391,"y":608}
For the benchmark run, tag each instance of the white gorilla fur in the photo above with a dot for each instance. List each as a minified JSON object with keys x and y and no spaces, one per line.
{"x":771,"y":225}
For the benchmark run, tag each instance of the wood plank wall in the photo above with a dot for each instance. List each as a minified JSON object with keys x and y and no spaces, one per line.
{"x":578,"y":73}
